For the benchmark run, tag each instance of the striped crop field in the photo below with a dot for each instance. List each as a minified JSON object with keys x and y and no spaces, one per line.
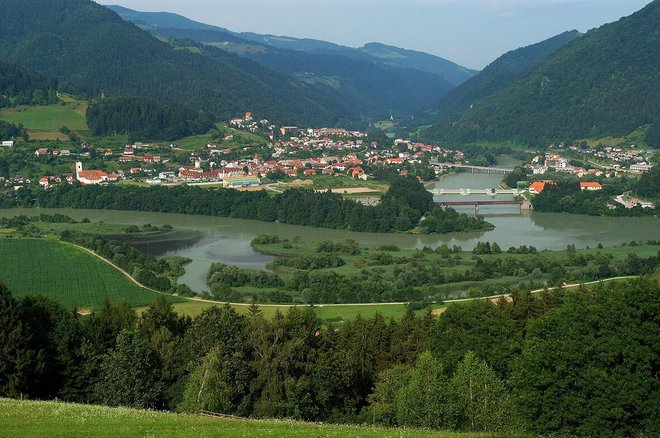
{"x":65,"y":273}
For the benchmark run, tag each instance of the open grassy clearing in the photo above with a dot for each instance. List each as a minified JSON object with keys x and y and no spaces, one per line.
{"x":241,"y":139}
{"x":56,"y":419}
{"x":67,"y":274}
{"x":44,"y":122}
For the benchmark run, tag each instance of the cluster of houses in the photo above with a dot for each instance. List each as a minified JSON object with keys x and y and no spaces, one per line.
{"x":618,"y":160}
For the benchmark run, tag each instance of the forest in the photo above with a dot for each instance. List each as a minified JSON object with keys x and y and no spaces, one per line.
{"x":566,"y":197}
{"x":19,"y":86}
{"x":145,"y":119}
{"x":8,"y":131}
{"x":604,"y":83}
{"x":580,"y":362}
{"x":91,"y":49}
{"x":401,"y":208}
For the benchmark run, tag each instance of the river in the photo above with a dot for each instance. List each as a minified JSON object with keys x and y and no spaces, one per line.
{"x":206,"y":239}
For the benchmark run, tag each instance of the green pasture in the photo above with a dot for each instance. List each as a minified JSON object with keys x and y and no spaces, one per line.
{"x":241,"y":139}
{"x":65,"y":273}
{"x":36,"y":419}
{"x":49,"y":117}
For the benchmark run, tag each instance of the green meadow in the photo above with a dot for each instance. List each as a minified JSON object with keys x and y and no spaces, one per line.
{"x":35,"y":419}
{"x":44,"y":122}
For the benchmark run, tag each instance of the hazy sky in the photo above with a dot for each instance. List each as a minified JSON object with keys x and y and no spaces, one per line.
{"x":469,"y":32}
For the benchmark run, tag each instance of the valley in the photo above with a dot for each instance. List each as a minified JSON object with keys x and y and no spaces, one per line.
{"x":232,"y":228}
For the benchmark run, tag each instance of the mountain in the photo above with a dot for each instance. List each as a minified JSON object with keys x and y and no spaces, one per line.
{"x":375,"y":80}
{"x":606,"y":82}
{"x":404,"y":58}
{"x":497,"y":76}
{"x":82,"y":43}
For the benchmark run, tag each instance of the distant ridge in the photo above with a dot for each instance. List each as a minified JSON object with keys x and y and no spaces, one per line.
{"x":375,"y":80}
{"x":497,"y":76}
{"x":605,"y":83}
{"x":82,"y":43}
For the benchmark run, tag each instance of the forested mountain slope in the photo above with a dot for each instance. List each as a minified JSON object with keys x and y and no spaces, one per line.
{"x":497,"y":76}
{"x":85,"y":44}
{"x":375,"y":80}
{"x":606,"y":82}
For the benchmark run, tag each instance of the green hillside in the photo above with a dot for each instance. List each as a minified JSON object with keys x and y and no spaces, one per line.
{"x":357,"y":78}
{"x":48,"y":419}
{"x":497,"y":76}
{"x":19,"y":86}
{"x":603,"y":83}
{"x":66,"y":274}
{"x":405,"y":58}
{"x":90,"y":48}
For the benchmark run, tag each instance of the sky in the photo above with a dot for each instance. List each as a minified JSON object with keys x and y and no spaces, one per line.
{"x":471,"y":33}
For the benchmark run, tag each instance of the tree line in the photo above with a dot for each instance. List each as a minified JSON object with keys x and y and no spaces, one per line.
{"x":565,"y":196}
{"x":401,"y":208}
{"x":159,"y":274}
{"x":145,"y":119}
{"x":19,"y":86}
{"x":578,"y":362}
{"x":426,"y":276}
{"x":8,"y":131}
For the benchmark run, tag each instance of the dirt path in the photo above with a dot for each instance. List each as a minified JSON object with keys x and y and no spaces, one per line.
{"x":116,"y":267}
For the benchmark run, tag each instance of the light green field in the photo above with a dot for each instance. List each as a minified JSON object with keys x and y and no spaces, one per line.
{"x":44,"y":122}
{"x":35,"y":419}
{"x":66,"y":274}
{"x":241,"y":138}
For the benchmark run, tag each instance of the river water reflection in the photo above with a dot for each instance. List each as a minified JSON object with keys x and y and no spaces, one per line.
{"x":207,"y":239}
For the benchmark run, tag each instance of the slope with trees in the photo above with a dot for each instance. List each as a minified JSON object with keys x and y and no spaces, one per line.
{"x":578,"y":362}
{"x":603,"y":83}
{"x":146,"y":119}
{"x":86,"y":46}
{"x":495,"y":77}
{"x":19,"y":86}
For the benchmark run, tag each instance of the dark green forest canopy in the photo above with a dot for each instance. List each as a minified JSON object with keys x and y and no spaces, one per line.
{"x":90,"y":48}
{"x":146,"y":119}
{"x":19,"y":86}
{"x":581,"y":362}
{"x":605,"y":83}
{"x":495,"y":77}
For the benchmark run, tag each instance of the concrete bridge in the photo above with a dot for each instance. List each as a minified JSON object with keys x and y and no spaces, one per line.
{"x":473,"y":169}
{"x":522,"y":203}
{"x":467,"y":192}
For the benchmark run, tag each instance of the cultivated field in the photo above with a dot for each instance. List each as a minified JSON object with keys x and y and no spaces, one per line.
{"x":44,"y":122}
{"x":52,"y":419}
{"x":66,"y":274}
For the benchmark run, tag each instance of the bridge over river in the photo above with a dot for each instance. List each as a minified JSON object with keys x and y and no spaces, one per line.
{"x":523,"y":203}
{"x":468,"y":192}
{"x":473,"y":169}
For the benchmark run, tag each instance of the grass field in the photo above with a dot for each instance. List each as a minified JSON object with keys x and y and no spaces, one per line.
{"x":241,"y":138}
{"x":35,"y":419}
{"x":44,"y":122}
{"x":65,"y":273}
